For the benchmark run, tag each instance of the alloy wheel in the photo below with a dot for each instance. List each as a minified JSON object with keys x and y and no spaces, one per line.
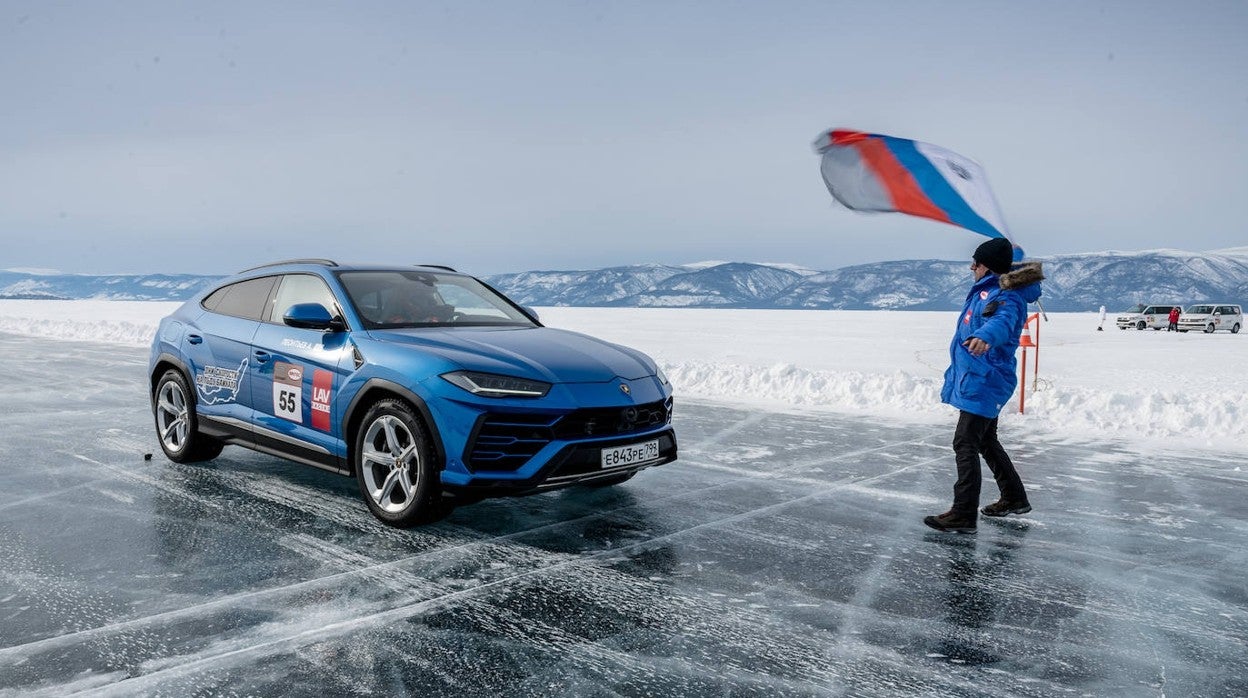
{"x":172,"y":416}
{"x":391,"y":464}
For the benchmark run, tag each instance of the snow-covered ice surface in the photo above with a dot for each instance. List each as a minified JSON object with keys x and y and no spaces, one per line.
{"x":1150,"y":389}
{"x":783,"y":554}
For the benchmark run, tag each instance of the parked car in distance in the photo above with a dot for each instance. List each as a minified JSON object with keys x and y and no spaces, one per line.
{"x":426,"y":385}
{"x":1154,"y":316}
{"x":1211,"y":317}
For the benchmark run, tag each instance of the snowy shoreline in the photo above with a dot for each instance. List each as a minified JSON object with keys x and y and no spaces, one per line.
{"x":1152,"y":388}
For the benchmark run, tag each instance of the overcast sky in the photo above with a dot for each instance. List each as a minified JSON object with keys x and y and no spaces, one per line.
{"x":507,"y":136}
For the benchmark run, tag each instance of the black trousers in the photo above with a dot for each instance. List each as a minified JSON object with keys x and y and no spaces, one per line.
{"x":977,"y":436}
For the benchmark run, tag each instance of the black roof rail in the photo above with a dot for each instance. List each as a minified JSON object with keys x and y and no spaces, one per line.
{"x":437,"y":266}
{"x":322,"y":262}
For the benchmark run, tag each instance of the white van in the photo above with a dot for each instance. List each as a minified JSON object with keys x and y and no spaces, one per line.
{"x":1211,"y":317}
{"x":1154,"y":316}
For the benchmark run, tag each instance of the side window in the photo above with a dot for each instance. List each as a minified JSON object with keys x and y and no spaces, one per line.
{"x":301,"y":288}
{"x":246,"y":299}
{"x":214,"y":298}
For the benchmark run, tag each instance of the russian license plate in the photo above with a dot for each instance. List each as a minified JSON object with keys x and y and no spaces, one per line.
{"x":632,"y":453}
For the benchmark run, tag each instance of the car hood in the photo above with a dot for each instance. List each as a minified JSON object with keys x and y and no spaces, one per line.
{"x":547,"y":354}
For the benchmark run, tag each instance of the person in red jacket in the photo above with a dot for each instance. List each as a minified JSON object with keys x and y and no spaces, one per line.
{"x":1174,"y":320}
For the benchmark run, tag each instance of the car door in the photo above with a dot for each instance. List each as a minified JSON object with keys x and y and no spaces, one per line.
{"x":297,"y":377}
{"x":217,"y":347}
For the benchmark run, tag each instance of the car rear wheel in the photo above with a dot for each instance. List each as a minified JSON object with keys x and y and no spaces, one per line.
{"x":394,"y":466}
{"x":177,"y":426}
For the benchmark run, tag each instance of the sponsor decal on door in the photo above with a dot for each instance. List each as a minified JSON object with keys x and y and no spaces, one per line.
{"x":322,"y":393}
{"x":218,"y":385}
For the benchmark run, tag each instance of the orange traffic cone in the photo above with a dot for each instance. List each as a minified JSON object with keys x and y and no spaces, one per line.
{"x":1025,"y":340}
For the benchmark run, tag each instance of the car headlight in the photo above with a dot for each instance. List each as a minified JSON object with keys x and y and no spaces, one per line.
{"x":658,"y":373}
{"x":493,"y":385}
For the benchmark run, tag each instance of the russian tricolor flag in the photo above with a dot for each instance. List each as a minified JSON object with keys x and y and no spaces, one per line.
{"x":871,"y":172}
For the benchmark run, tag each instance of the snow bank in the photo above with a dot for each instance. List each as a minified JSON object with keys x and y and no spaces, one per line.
{"x":115,"y":322}
{"x":1179,"y":388}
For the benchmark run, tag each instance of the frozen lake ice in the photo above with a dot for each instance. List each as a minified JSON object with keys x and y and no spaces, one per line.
{"x":783,"y":554}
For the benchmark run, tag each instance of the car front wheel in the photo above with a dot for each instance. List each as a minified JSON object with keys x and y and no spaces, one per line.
{"x":1140,"y":325}
{"x":395,"y":468}
{"x":177,"y":426}
{"x":1209,"y":329}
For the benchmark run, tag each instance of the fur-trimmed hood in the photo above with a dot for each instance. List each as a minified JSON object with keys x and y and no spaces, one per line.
{"x":1023,"y":274}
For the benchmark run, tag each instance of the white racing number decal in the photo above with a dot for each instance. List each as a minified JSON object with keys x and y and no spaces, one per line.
{"x":288,"y":391}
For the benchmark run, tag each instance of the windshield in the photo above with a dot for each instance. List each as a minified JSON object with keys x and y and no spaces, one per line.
{"x":1199,"y":310}
{"x":392,"y":299}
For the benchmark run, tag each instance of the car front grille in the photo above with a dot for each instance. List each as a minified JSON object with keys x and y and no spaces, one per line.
{"x":505,"y":442}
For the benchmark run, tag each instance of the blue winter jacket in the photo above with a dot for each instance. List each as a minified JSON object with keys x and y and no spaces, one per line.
{"x":995,"y":311}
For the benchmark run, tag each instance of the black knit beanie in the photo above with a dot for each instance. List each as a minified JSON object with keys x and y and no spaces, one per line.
{"x":997,"y":254}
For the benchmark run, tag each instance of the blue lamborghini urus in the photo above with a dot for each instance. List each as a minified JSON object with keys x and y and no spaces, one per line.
{"x":426,"y":385}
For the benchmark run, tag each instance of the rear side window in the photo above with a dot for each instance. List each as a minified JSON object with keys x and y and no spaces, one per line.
{"x":214,"y":298}
{"x":245,"y":299}
{"x":301,"y":288}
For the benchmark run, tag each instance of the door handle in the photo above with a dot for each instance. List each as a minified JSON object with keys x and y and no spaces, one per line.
{"x":194,"y":339}
{"x":262,"y":356}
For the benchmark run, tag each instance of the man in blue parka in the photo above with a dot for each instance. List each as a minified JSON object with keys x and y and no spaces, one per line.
{"x":981,"y":378}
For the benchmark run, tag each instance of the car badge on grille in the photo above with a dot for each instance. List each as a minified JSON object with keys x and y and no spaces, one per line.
{"x":625,"y":389}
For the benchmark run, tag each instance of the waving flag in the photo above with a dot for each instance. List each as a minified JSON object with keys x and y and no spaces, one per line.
{"x":871,"y":172}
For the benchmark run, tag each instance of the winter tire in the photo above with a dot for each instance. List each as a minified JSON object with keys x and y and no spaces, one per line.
{"x":1235,"y":328}
{"x":394,"y":466}
{"x":1140,"y":325}
{"x":1209,"y":329}
{"x":177,"y":426}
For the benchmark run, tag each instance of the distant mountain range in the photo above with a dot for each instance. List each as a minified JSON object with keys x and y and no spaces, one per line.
{"x":1080,"y":282}
{"x":16,"y":283}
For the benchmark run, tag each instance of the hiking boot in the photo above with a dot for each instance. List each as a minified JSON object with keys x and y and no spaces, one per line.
{"x":952,"y":521}
{"x":1004,"y":507}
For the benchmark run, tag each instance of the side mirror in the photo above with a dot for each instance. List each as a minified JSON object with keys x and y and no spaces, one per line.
{"x":312,"y":316}
{"x":530,"y":312}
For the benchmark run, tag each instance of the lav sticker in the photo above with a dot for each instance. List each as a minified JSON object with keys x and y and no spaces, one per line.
{"x":322,"y":394}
